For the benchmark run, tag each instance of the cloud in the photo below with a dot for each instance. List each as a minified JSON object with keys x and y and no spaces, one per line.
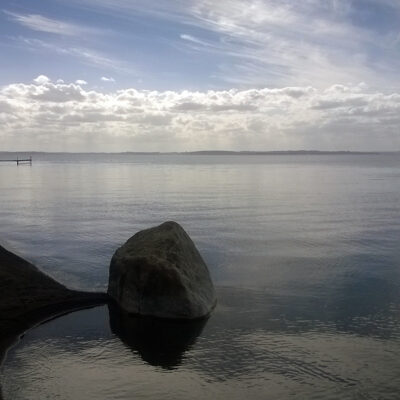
{"x":109,"y":79}
{"x":195,"y":40}
{"x":40,"y":23}
{"x":48,"y":115}
{"x":85,"y":55}
{"x":80,"y":82}
{"x":280,"y":42}
{"x":41,"y":80}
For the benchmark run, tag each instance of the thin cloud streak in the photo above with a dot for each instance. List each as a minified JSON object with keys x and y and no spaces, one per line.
{"x":85,"y":55}
{"x":41,"y":23}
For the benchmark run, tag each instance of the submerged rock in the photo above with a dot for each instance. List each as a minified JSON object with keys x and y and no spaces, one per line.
{"x":159,"y":272}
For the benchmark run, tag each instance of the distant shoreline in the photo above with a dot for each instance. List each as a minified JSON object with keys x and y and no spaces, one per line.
{"x":213,"y":152}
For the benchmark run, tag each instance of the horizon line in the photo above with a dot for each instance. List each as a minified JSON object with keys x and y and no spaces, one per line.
{"x":211,"y":152}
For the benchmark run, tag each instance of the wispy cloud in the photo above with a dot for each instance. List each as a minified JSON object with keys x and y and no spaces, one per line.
{"x":41,"y":23}
{"x":85,"y":55}
{"x":107,"y":79}
{"x":280,"y":41}
{"x":194,"y":40}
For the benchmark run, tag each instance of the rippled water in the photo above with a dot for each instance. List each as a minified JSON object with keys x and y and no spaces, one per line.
{"x":304,"y":251}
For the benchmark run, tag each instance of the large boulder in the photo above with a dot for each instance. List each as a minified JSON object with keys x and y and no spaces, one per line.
{"x":159,"y":272}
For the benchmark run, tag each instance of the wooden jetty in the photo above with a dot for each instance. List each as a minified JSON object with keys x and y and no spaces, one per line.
{"x":20,"y":160}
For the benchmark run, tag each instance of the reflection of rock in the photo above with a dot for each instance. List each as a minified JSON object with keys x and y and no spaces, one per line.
{"x":159,"y":272}
{"x":160,"y":342}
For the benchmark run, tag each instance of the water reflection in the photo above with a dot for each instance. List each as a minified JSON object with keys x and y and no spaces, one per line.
{"x":159,"y":342}
{"x":254,"y":344}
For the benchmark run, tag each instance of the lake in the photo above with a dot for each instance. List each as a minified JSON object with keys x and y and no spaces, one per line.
{"x":304,"y":251}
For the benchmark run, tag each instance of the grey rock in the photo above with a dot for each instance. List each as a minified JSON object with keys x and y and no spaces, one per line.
{"x":159,"y":272}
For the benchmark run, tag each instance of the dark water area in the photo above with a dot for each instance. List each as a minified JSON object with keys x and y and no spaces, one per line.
{"x":304,"y":251}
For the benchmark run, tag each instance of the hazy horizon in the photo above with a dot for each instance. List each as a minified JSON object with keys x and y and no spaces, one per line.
{"x":218,"y":152}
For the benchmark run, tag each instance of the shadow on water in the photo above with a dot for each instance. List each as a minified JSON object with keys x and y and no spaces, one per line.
{"x":159,"y":342}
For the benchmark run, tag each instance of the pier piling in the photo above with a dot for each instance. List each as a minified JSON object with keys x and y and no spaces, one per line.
{"x":20,"y":160}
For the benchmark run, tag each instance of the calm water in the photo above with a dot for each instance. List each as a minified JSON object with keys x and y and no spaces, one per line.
{"x":304,"y":251}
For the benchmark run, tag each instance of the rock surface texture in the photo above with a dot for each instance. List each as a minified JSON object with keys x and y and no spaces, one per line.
{"x":159,"y":272}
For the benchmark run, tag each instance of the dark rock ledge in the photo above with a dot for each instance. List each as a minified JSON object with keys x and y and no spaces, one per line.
{"x":28,"y":297}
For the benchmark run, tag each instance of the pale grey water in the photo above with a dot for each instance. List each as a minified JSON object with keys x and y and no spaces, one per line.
{"x":304,"y":251}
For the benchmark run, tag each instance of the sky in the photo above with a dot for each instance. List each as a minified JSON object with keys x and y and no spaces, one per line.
{"x":185,"y":75}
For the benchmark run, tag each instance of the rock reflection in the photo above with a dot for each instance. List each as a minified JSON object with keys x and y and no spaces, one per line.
{"x":159,"y":342}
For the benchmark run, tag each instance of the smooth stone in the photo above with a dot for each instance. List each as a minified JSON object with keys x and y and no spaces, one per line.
{"x":159,"y":272}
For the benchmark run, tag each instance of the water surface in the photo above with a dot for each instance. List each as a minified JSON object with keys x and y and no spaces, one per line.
{"x":304,"y":251}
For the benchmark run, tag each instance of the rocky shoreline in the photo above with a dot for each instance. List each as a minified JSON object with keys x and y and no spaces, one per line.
{"x":157,"y":273}
{"x":29,"y":297}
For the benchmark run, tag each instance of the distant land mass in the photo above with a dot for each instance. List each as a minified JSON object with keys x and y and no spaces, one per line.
{"x":210,"y":152}
{"x":277,"y":152}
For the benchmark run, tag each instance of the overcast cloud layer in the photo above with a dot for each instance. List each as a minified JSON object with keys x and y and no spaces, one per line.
{"x":58,"y":116}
